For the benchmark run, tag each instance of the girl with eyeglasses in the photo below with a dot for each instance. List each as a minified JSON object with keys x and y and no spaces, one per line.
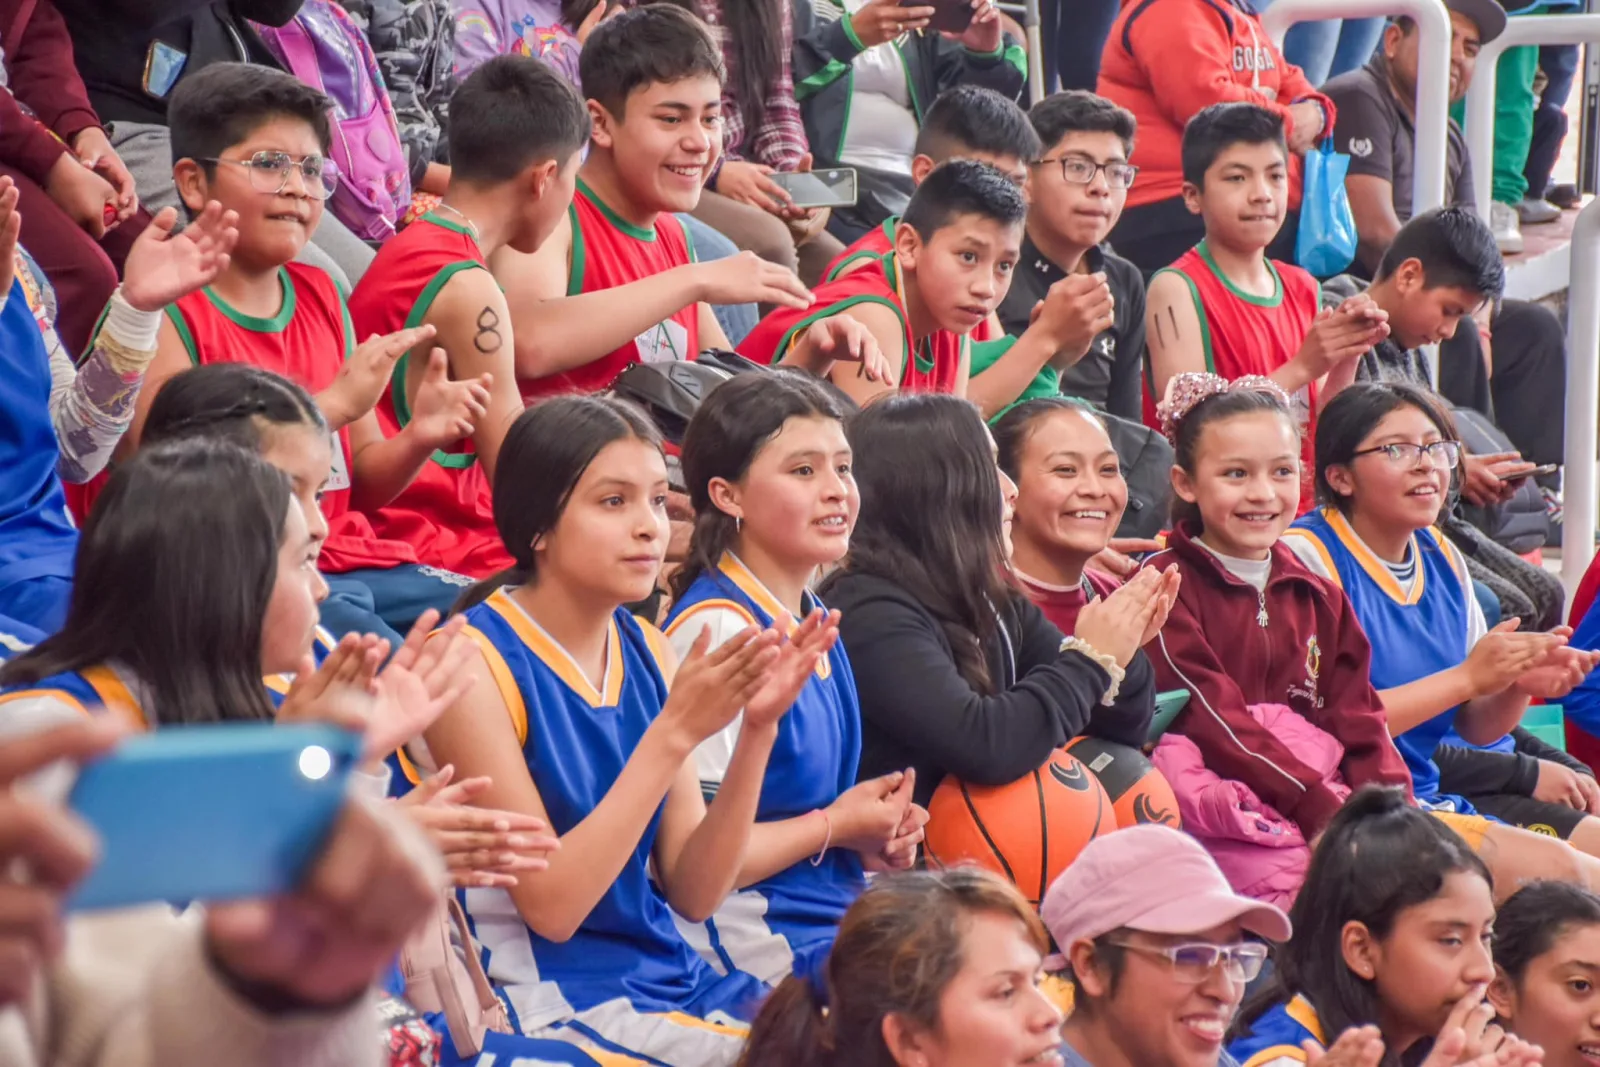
{"x":1386,"y":455}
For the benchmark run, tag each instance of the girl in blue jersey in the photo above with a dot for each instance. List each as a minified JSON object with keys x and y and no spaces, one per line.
{"x":768,"y":471}
{"x":1391,"y":950}
{"x":1385,"y":457}
{"x":581,"y":714}
{"x":1546,"y":988}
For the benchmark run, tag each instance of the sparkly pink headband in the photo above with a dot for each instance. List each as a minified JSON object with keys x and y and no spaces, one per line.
{"x":1186,"y":390}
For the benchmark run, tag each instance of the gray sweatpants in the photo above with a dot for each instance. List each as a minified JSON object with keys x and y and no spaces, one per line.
{"x":147,"y":151}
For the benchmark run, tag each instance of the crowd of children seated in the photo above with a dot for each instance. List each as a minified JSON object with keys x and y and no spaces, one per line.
{"x":659,"y":709}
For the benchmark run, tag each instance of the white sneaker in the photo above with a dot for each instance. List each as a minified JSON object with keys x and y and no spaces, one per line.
{"x":1534,"y":212}
{"x":1503,"y":224}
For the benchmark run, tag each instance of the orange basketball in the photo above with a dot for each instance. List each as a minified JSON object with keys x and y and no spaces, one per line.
{"x":1139,"y":793}
{"x":1027,"y":831}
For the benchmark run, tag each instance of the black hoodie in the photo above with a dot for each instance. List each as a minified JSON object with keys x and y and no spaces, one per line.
{"x":917,"y":711}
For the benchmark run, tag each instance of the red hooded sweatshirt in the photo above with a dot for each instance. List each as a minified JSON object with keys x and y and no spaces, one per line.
{"x":1167,"y":59}
{"x":1311,"y":656}
{"x":46,"y":94}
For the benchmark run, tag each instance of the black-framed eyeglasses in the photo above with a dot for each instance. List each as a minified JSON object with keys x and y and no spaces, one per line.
{"x":1195,"y":961}
{"x":269,"y":173}
{"x":1444,"y":454}
{"x":1081,"y":171}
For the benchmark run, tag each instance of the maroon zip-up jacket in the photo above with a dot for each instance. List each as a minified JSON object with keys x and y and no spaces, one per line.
{"x":41,"y":73}
{"x":1311,"y":656}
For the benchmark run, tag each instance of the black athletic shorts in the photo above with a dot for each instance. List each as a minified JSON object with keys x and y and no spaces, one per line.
{"x":1542,"y":817}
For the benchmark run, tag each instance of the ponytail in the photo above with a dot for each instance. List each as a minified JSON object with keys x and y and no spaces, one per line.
{"x":792,"y":1030}
{"x":482,"y":590}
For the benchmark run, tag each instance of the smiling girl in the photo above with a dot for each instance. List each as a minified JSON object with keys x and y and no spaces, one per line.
{"x":1547,"y":971}
{"x":769,"y":472}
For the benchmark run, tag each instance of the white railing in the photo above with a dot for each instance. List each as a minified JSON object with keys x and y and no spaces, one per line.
{"x":1433,"y":74}
{"x":1583,"y":398}
{"x":1543,"y":29}
{"x":1031,"y":26}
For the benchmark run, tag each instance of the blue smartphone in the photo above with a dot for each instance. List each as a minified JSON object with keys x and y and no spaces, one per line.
{"x":217,"y":812}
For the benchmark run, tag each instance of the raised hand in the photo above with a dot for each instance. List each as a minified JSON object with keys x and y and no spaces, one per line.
{"x":844,"y":340}
{"x":984,"y":32}
{"x":426,"y":676}
{"x":339,"y":691}
{"x":1359,"y":1046}
{"x":711,"y":687}
{"x":1116,"y":625}
{"x":10,"y":229}
{"x":748,"y":279}
{"x":749,"y":183}
{"x":163,"y":267}
{"x":1075,"y":311}
{"x":881,"y":21}
{"x":366,"y":374}
{"x":1563,"y":669}
{"x":481,"y":848}
{"x":1503,"y":655}
{"x":1342,"y":333}
{"x":797,"y":659}
{"x":1166,"y":595}
{"x":446,"y":411}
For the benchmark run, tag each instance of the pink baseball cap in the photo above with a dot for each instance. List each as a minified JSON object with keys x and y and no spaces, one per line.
{"x":1154,"y":879}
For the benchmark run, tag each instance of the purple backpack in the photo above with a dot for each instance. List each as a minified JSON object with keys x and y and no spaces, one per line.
{"x":326,"y":50}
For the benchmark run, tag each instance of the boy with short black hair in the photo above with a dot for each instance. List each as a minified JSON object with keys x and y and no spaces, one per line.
{"x":1080,"y":184}
{"x":516,"y":128}
{"x":1224,"y":307}
{"x":255,"y":139}
{"x":954,"y":253}
{"x":618,"y":283}
{"x":965,"y":122}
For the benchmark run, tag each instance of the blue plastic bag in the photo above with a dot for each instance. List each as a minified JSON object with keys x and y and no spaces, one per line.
{"x":1326,"y":243}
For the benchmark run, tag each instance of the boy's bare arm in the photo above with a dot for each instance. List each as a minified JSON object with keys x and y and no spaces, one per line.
{"x":1173,"y":332}
{"x":473,"y":327}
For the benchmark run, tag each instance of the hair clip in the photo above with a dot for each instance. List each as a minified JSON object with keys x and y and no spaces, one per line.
{"x":1187,"y":390}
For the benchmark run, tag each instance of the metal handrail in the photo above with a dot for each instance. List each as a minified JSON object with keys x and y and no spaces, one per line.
{"x":1583,"y":398}
{"x":1032,"y":23}
{"x":1543,"y":29}
{"x":1433,"y":75}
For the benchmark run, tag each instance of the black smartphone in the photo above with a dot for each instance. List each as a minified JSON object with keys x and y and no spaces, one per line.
{"x":949,"y":16}
{"x":1538,"y":472}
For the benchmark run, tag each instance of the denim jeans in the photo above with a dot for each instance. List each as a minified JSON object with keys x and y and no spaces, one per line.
{"x":1074,"y":34}
{"x":1332,"y":46}
{"x":736,"y":320}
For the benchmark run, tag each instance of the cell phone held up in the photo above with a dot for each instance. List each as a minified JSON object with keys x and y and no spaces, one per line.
{"x":949,"y":16}
{"x":834,"y":187}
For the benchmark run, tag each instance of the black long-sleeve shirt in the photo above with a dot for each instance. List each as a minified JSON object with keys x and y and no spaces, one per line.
{"x":1475,"y":772}
{"x":112,"y":41}
{"x":917,"y":711}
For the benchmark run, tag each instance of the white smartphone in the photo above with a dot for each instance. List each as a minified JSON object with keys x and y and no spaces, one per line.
{"x":835,"y":187}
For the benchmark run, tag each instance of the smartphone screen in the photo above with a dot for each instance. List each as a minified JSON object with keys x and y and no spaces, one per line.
{"x":820,"y":188}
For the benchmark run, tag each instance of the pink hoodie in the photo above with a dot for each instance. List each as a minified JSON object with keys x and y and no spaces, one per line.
{"x":1263,"y":853}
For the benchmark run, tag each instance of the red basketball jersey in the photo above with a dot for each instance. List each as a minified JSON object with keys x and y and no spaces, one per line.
{"x":445,"y":513}
{"x":608,"y":251}
{"x":879,"y":242}
{"x":306,"y":342}
{"x":932,"y":365}
{"x":1245,"y":334}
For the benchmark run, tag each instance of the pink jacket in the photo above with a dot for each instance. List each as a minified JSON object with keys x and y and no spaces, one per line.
{"x":1263,"y":853}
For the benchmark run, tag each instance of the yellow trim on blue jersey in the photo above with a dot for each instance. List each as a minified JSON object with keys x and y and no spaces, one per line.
{"x":410,"y":770}
{"x":656,"y":641}
{"x":1451,"y":555}
{"x":719,"y":604}
{"x":1376,"y":569}
{"x":115,"y":695}
{"x":559,"y":659}
{"x":1321,"y":549}
{"x":612,"y":1059}
{"x":693,"y":1023}
{"x":504,"y":681}
{"x":280,"y":683}
{"x":54,"y":694}
{"x":752,"y":587}
{"x":1276,"y":1054}
{"x":1300,"y":1010}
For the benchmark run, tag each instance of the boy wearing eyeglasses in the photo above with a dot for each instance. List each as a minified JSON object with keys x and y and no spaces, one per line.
{"x":1079,"y":185}
{"x":1158,"y":949}
{"x":256,"y":139}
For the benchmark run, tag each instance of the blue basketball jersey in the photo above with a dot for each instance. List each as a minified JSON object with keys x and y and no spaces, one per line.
{"x":1413,"y":634}
{"x":576,"y":740}
{"x":92,"y":691}
{"x":763,"y":929}
{"x":278,"y":684}
{"x":16,"y":637}
{"x":37,"y":538}
{"x":1275,"y":1035}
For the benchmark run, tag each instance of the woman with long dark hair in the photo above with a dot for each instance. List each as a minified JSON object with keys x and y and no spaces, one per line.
{"x":957,"y":671}
{"x":769,"y":473}
{"x":581,"y":715}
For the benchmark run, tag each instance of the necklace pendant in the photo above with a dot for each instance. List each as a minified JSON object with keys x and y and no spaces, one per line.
{"x":1261,"y":614}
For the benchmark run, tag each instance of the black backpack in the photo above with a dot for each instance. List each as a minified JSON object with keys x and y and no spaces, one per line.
{"x":1146,"y":459}
{"x":671,"y":392}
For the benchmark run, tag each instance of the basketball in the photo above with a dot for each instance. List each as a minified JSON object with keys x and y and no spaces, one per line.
{"x":1137,"y":790}
{"x":1028,"y":830}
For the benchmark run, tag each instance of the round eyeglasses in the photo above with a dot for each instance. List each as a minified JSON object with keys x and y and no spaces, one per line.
{"x":270,"y":171}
